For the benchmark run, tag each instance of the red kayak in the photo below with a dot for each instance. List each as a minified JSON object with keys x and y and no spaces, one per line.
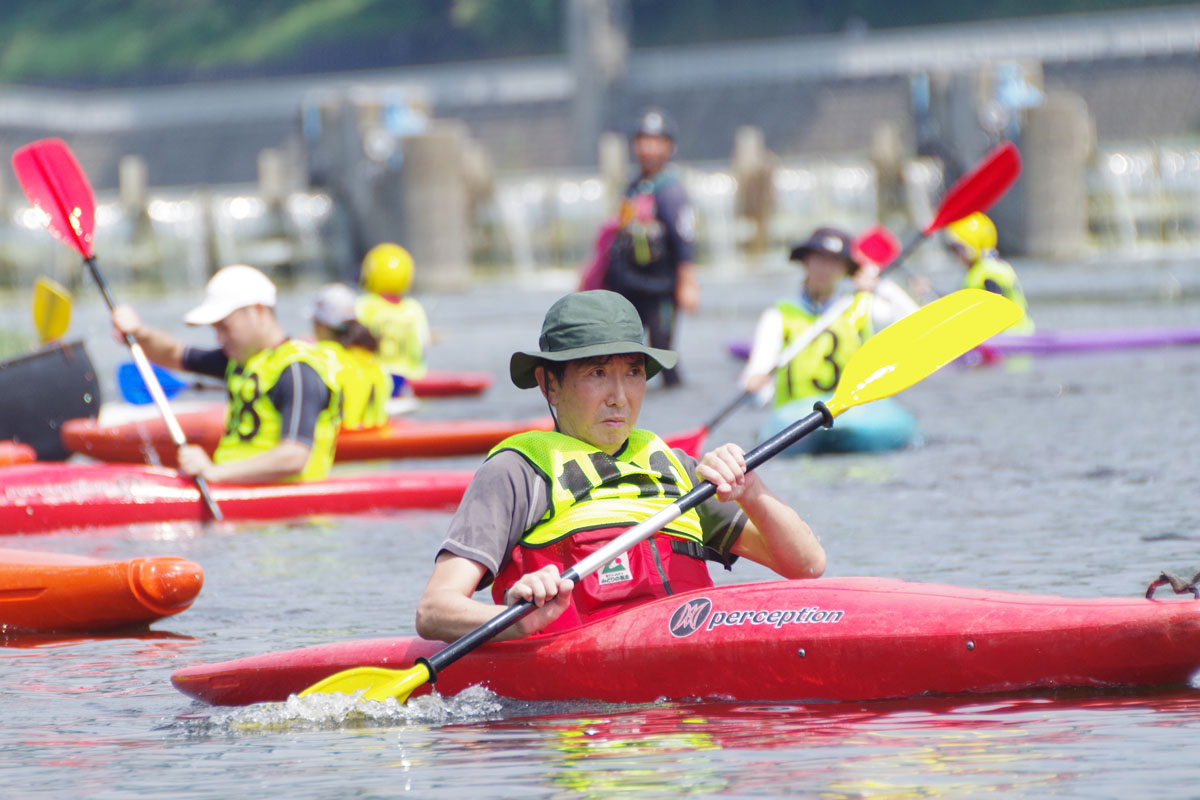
{"x":442,"y":383}
{"x":16,"y":453}
{"x":130,"y":442}
{"x":49,"y":496}
{"x":826,"y":639}
{"x":53,"y":592}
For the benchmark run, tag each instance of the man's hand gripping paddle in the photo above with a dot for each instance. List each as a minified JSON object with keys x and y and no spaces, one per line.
{"x":899,"y":356}
{"x":975,"y":191}
{"x":54,"y":182}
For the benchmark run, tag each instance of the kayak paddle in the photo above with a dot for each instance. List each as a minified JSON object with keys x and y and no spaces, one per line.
{"x":975,"y":191}
{"x":877,"y":244}
{"x":899,"y":356}
{"x":54,"y":182}
{"x":134,"y":389}
{"x":51,"y":309}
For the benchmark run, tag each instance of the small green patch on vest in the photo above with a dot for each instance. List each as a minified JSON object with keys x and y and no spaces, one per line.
{"x":616,"y":571}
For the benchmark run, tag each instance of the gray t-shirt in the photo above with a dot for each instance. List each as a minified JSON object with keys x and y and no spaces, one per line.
{"x":508,"y":496}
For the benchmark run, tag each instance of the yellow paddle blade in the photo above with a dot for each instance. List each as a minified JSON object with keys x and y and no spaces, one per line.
{"x":51,"y":309}
{"x":912,"y":348}
{"x":376,"y":683}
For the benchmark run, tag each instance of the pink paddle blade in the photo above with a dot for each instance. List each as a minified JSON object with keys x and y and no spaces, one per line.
{"x":979,"y":188}
{"x":53,"y":182}
{"x":878,"y":245}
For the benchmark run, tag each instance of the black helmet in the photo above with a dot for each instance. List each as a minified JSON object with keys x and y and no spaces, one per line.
{"x":654,"y":122}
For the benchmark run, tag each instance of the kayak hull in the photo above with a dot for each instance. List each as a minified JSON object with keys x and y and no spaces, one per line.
{"x":39,"y":497}
{"x":446,"y":383}
{"x":58,"y":593}
{"x":1050,"y":342}
{"x":16,"y":453}
{"x":149,"y":440}
{"x":1090,"y":340}
{"x":874,"y":427}
{"x":41,"y":390}
{"x":826,"y":639}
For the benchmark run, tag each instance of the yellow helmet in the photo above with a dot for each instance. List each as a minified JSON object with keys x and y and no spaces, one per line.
{"x":386,"y":269}
{"x":976,"y":234}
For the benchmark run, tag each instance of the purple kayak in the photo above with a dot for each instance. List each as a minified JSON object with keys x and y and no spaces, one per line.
{"x":1088,"y":339}
{"x":1076,"y":341}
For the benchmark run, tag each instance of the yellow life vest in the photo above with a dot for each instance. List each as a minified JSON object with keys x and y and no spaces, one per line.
{"x":399,"y":327}
{"x":364,"y":385}
{"x":252,"y":423}
{"x":591,"y":489}
{"x":1004,"y":276}
{"x":817,"y":368}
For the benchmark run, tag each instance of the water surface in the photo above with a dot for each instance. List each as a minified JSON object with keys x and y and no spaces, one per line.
{"x":1071,"y":475}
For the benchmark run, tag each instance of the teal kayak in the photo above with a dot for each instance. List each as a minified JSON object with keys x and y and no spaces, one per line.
{"x":873,"y":427}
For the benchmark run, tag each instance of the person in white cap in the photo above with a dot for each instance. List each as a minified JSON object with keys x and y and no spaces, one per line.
{"x":284,"y":405}
{"x":352,"y":349}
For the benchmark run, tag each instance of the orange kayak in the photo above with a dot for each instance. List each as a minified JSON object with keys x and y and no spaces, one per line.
{"x":134,"y":442}
{"x":55,"y":592}
{"x":16,"y":453}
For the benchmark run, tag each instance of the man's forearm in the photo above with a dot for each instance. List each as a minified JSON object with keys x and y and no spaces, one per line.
{"x":160,"y":347}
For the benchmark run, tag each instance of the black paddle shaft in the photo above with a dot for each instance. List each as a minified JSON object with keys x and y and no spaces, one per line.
{"x":821,"y":417}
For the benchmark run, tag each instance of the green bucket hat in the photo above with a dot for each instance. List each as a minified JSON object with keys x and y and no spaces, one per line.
{"x":585,"y":325}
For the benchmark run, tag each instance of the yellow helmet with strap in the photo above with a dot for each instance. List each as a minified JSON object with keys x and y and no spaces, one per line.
{"x":387,"y":269}
{"x":976,"y":234}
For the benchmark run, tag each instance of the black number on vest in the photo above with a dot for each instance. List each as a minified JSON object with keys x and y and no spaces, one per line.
{"x":828,"y":386}
{"x":670,"y":480}
{"x":243,"y":419}
{"x":574,"y":481}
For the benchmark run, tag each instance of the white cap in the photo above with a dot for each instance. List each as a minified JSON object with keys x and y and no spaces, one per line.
{"x":334,"y":305}
{"x":234,"y":287}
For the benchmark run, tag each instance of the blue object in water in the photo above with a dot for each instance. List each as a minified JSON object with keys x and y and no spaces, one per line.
{"x":873,"y":427}
{"x":134,"y":389}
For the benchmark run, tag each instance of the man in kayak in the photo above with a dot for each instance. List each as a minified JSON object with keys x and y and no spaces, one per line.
{"x":973,"y":240}
{"x":544,"y":500}
{"x":284,"y":404}
{"x":828,"y":258}
{"x":351,"y":347}
{"x":395,"y":318}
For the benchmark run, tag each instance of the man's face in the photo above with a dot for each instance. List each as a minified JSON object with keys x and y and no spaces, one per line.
{"x":652,"y":152}
{"x":598,"y":399}
{"x":238,"y":333}
{"x":823,"y":272}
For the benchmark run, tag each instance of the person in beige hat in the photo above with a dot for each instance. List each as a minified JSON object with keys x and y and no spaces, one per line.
{"x":545,"y":499}
{"x":284,"y":405}
{"x":829,"y":258}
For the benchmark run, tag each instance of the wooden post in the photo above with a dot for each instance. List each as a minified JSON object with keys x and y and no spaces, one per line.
{"x":1056,"y":143}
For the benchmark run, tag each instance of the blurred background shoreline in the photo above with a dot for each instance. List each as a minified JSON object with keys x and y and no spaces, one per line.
{"x":504,"y":168}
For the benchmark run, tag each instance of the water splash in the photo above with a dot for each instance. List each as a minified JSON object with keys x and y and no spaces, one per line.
{"x":333,"y":711}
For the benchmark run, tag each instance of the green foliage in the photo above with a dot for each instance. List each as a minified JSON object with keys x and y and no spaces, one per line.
{"x":132,"y":40}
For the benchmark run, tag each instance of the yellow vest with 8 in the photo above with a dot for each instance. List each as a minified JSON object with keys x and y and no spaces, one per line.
{"x":252,"y":423}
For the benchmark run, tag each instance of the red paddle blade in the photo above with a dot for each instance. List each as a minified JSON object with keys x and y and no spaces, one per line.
{"x":877,"y":245}
{"x":689,"y":442}
{"x":54,"y":183}
{"x":979,"y":188}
